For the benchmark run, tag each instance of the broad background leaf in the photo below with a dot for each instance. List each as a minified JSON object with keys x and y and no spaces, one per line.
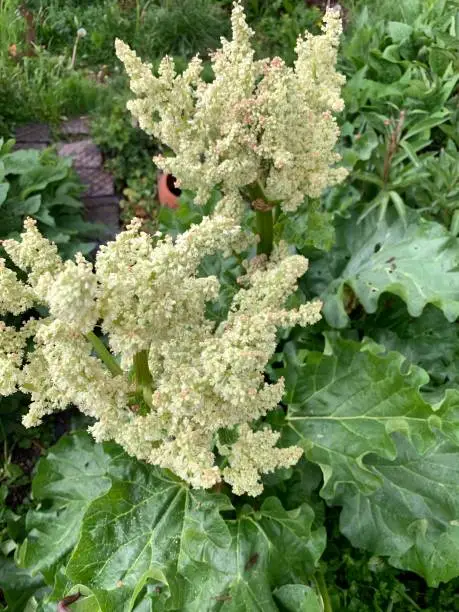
{"x":414,"y":517}
{"x":72,"y":475}
{"x":388,"y":457}
{"x":345,"y":403}
{"x":417,"y":261}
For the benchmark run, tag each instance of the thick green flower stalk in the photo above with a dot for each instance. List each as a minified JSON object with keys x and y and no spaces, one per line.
{"x":261,"y":129}
{"x":170,"y":381}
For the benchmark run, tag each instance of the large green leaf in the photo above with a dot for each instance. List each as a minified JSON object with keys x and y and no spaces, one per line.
{"x":39,"y":177}
{"x":418,"y":261}
{"x":346,"y":403}
{"x":398,"y":31}
{"x":151,"y":530}
{"x":21,"y":162}
{"x":388,"y":457}
{"x":298,"y":598}
{"x":428,"y":341}
{"x":42,"y":185}
{"x":17,"y":585}
{"x":72,"y":475}
{"x":26,"y":207}
{"x":309,"y":226}
{"x":414,"y":516}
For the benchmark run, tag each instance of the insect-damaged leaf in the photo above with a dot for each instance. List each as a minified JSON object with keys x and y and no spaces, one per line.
{"x":417,"y":260}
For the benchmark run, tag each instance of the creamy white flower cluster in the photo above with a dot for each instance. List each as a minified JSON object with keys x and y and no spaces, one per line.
{"x":170,"y":380}
{"x":258,"y":122}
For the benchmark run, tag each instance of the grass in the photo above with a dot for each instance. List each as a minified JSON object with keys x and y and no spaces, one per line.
{"x":42,"y":88}
{"x":11,"y":27}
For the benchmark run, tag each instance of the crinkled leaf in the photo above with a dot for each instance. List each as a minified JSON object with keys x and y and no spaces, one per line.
{"x":21,"y":162}
{"x":417,"y":261}
{"x":310,"y":226}
{"x":227,"y":270}
{"x":345,"y":404}
{"x":72,"y":475}
{"x":18,"y":585}
{"x":414,"y":516}
{"x":428,"y":341}
{"x":151,"y":527}
{"x":448,"y":414}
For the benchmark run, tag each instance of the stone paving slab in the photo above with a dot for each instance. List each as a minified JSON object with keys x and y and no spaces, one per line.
{"x":97,"y":182}
{"x":84,"y":153}
{"x":33,"y":132}
{"x":103,"y":209}
{"x":75,"y":127}
{"x":30,"y":145}
{"x":101,"y":205}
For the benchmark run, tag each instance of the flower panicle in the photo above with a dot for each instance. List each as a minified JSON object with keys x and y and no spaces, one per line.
{"x":167,"y":380}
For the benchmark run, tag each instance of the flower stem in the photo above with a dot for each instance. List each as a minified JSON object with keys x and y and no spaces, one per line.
{"x":322,"y":588}
{"x":143,"y":375}
{"x":104,"y":354}
{"x":265,"y":231}
{"x":142,"y":371}
{"x":74,"y":52}
{"x":264,"y":216}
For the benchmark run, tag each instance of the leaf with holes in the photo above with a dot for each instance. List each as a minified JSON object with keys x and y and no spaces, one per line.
{"x":418,"y":261}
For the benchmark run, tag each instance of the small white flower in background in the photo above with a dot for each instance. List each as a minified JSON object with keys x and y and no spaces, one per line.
{"x":81,"y":33}
{"x":150,"y":301}
{"x":257,"y":121}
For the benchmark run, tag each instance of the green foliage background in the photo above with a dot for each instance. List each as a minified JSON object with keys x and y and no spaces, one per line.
{"x":369,"y":519}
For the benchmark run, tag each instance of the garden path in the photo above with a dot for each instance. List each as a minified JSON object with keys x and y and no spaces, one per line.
{"x":73,"y":140}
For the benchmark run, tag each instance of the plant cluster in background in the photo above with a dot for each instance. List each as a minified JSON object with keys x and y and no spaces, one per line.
{"x":400,"y":137}
{"x":35,"y":84}
{"x":128,"y":154}
{"x":41,"y":78}
{"x":41,"y":185}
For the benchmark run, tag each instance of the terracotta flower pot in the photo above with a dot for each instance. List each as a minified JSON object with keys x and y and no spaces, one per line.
{"x":168,"y":193}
